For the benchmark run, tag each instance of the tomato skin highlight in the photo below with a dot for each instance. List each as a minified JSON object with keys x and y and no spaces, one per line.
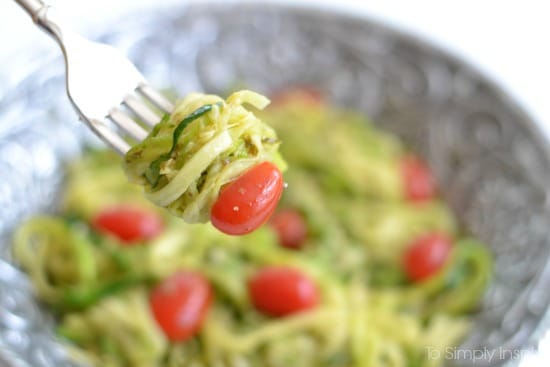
{"x":246,"y":203}
{"x":130,"y":224}
{"x":180,"y":304}
{"x":426,"y":256}
{"x":282,"y":290}
{"x":290,"y":227}
{"x":418,"y":180}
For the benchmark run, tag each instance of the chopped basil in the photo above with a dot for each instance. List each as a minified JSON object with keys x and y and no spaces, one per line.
{"x":153,"y":172}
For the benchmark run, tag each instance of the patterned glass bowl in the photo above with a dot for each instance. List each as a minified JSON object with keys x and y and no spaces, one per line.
{"x":491,"y":162}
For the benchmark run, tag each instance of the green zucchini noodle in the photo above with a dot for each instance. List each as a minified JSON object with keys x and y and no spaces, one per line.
{"x":343,"y":177}
{"x":213,"y":141}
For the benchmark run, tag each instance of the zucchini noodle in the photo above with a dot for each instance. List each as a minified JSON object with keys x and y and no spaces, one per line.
{"x":204,"y":144}
{"x":343,"y":178}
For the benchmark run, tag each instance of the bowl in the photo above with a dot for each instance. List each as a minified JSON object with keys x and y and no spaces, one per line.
{"x":489,"y":157}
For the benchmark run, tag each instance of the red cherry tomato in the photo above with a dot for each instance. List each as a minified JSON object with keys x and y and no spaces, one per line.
{"x":417,"y":178}
{"x":427,"y":255}
{"x":304,"y":94}
{"x":281,"y":290}
{"x":129,"y":223}
{"x":248,"y":202}
{"x":180,"y":304}
{"x":290,"y":227}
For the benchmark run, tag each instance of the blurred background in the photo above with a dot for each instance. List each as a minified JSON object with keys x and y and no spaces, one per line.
{"x":507,"y":40}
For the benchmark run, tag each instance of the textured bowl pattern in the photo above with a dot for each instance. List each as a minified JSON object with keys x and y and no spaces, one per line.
{"x":491,"y":162}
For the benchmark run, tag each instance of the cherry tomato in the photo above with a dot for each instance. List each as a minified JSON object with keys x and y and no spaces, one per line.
{"x":281,"y":290}
{"x":427,"y":255}
{"x":417,"y":178}
{"x":304,"y":94}
{"x":290,"y":227}
{"x":129,"y":223}
{"x":246,"y":203}
{"x":180,"y":304}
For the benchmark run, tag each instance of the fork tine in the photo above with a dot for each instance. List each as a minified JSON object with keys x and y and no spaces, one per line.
{"x":127,"y":125}
{"x":141,"y":110}
{"x":108,"y":136}
{"x":158,"y":99}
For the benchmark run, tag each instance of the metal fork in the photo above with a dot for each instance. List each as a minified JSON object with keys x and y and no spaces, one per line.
{"x":102,"y":84}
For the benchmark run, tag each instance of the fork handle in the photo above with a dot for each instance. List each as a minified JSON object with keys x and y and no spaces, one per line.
{"x":39,"y":12}
{"x":33,"y":7}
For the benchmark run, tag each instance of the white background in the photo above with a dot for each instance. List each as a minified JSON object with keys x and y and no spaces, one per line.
{"x":509,"y":40}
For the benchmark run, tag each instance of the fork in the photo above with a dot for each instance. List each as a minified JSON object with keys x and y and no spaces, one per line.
{"x":102,"y":84}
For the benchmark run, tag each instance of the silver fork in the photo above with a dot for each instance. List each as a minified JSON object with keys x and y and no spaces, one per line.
{"x":102,"y":84}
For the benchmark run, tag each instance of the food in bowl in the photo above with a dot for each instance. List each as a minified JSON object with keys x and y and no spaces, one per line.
{"x":361,"y":265}
{"x":205,"y":144}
